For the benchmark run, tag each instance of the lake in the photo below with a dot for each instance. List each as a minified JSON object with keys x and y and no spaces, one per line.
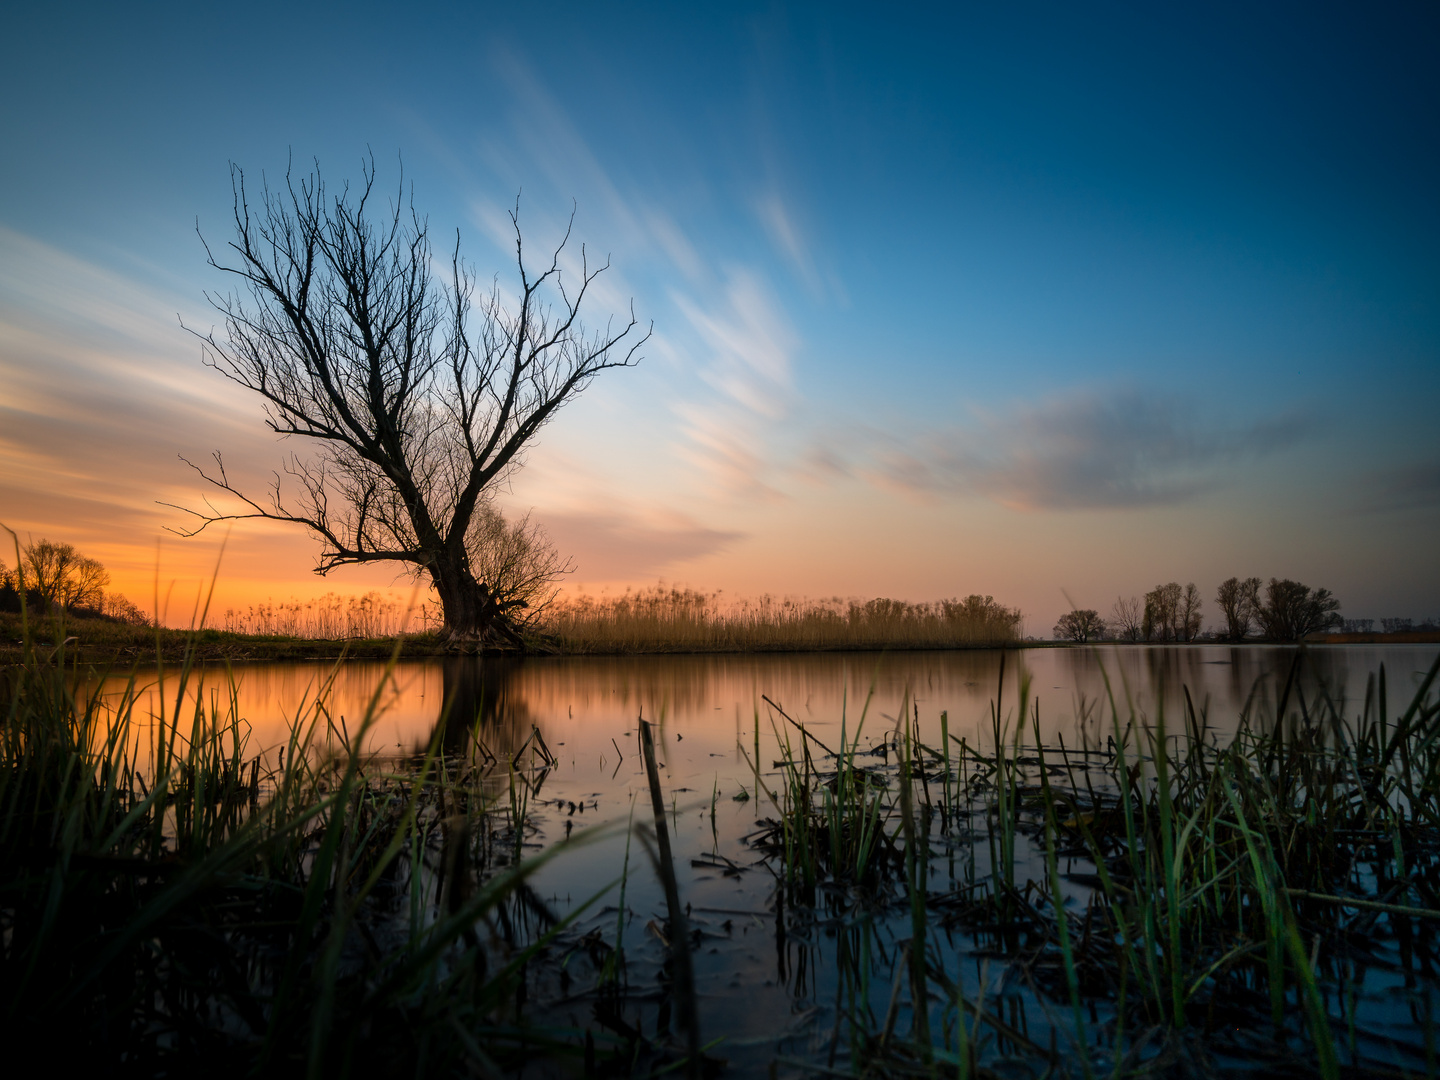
{"x":765,"y":975}
{"x":713,"y":700}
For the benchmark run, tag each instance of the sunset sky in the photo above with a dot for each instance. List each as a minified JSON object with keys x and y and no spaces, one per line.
{"x":1026,"y":300}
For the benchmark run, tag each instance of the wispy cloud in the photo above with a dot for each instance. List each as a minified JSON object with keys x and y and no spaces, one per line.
{"x":1090,"y":450}
{"x":747,"y":344}
{"x":726,"y":343}
{"x":786,"y":238}
{"x":1415,"y":486}
{"x":750,"y":343}
{"x":103,"y":389}
{"x":610,"y":545}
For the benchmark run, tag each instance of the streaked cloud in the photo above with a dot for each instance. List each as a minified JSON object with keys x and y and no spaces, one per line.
{"x":746,"y":342}
{"x":1088,"y":451}
{"x":785,"y":237}
{"x":1414,"y":486}
{"x":750,"y":343}
{"x":103,"y":389}
{"x":726,"y":343}
{"x":610,"y":545}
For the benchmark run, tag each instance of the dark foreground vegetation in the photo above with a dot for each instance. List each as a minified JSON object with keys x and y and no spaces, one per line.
{"x":168,"y":901}
{"x":1176,"y":902}
{"x":1158,"y":899}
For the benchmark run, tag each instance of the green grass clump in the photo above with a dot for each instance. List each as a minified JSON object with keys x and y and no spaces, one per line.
{"x":1171,"y":893}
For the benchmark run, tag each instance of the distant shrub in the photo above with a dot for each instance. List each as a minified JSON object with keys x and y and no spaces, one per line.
{"x":1082,"y":625}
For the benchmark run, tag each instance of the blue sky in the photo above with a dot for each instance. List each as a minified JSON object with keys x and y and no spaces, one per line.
{"x":947,"y":299}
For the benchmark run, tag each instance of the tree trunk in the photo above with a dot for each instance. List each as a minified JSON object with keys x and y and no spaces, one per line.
{"x":472,"y":618}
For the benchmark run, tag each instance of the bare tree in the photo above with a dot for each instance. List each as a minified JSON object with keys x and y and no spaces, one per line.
{"x":62,"y":576}
{"x":1239,"y":601}
{"x":517,"y":560}
{"x":1082,"y":625}
{"x":1127,"y":618}
{"x":418,"y":403}
{"x":1162,"y":611}
{"x":1292,"y":610}
{"x":1188,"y":619}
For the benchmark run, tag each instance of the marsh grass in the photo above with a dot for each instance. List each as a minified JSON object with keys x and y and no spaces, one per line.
{"x":168,"y":901}
{"x":1188,"y":905}
{"x":109,"y":643}
{"x":654,"y":620}
{"x":687,"y":620}
{"x":332,"y":616}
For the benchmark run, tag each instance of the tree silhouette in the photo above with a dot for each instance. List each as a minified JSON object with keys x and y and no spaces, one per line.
{"x":61,"y":576}
{"x":1082,"y":624}
{"x":1127,"y":618}
{"x":417,"y":402}
{"x":1239,"y":601}
{"x":1291,"y":610}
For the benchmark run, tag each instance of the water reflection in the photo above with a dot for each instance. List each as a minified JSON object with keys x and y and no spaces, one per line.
{"x":583,"y":703}
{"x":478,"y":703}
{"x":765,"y":979}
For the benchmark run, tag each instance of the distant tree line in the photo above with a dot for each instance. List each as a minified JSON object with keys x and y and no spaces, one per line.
{"x":1389,"y":626}
{"x":53,"y":578}
{"x":1282,"y":610}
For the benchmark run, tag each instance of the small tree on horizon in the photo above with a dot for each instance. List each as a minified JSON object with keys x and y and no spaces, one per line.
{"x":1188,"y":619}
{"x":1239,"y":601}
{"x":518,"y":560}
{"x":1162,"y":612}
{"x":62,"y":576}
{"x":1292,"y":610}
{"x":1128,"y":618}
{"x":1082,"y":625}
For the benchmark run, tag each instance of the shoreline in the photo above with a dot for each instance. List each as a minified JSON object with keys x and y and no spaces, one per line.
{"x":119,"y":645}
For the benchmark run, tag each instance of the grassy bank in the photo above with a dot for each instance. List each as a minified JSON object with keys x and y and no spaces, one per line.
{"x":649,"y":621}
{"x":105,"y":642}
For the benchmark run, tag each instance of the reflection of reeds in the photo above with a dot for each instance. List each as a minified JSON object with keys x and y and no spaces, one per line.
{"x":686,"y":620}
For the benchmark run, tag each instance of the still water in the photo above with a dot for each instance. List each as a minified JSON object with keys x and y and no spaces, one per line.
{"x":763,"y":987}
{"x":714,"y":700}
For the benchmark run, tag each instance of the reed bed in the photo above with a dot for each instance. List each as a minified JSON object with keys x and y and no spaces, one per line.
{"x":1167,"y":902}
{"x":687,"y":620}
{"x":331,"y":617}
{"x":168,"y":901}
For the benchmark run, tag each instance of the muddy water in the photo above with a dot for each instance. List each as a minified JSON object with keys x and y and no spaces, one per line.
{"x":768,"y":989}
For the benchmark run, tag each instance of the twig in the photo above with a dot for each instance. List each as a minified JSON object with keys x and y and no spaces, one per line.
{"x":799,"y":727}
{"x":1372,"y":905}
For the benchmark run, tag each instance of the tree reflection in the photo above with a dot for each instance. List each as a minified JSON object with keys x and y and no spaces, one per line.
{"x":482,"y":702}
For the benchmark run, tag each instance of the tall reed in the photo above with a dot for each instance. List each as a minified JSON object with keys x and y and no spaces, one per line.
{"x":1217,"y":872}
{"x":681,"y":620}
